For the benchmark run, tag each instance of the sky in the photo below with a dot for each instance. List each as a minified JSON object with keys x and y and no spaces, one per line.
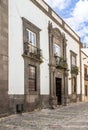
{"x":74,"y":13}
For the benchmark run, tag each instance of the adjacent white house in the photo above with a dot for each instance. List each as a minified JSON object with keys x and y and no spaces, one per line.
{"x":44,"y":57}
{"x":84,"y":59}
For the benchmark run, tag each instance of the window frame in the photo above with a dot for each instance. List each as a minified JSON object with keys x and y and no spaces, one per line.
{"x":33,"y":28}
{"x":74,"y":89}
{"x":29,"y":60}
{"x":73,"y":54}
{"x":73,"y":60}
{"x":31,"y":78}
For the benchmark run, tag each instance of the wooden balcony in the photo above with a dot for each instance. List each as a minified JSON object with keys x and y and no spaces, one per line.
{"x":32,"y":51}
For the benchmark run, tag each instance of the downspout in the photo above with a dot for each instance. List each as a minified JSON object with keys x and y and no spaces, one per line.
{"x":80,"y":73}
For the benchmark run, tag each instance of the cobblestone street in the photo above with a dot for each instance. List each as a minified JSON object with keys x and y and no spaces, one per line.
{"x":72,"y":117}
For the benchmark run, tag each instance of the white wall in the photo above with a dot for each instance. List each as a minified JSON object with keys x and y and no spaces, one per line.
{"x":16,"y":63}
{"x":26,"y":9}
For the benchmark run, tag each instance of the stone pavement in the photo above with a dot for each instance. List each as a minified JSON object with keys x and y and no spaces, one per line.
{"x":71,"y":117}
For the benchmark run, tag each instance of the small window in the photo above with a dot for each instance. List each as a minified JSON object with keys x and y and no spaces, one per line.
{"x":32,"y":78}
{"x":31,"y":37}
{"x":74,"y":85}
{"x":57,"y":50}
{"x":85,"y":90}
{"x":85,"y":71}
{"x":73,"y":60}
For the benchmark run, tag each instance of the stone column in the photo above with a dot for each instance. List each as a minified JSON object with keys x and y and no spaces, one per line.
{"x":52,"y":67}
{"x":65,"y":71}
{"x":3,"y":56}
{"x":53,"y":98}
{"x":52,"y":81}
{"x":66,"y":88}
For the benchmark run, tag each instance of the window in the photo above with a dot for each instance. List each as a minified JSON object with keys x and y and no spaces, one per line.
{"x":57,"y":50}
{"x":74,"y":85}
{"x":73,"y":60}
{"x":31,"y":37}
{"x":85,"y":90}
{"x":32,"y":78}
{"x":86,"y":71}
{"x":31,"y":55}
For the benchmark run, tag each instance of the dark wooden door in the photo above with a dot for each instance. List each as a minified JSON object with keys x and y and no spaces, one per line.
{"x":58,"y":90}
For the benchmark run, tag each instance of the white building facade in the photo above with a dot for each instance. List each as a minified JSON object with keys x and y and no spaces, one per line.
{"x":43,"y":57}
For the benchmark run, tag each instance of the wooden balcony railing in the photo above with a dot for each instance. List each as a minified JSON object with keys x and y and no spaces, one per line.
{"x":32,"y":51}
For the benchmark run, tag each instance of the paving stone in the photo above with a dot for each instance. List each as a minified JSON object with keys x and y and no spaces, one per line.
{"x":71,"y":117}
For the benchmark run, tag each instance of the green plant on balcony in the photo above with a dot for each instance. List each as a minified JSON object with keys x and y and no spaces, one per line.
{"x":74,"y":70}
{"x":61,"y":63}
